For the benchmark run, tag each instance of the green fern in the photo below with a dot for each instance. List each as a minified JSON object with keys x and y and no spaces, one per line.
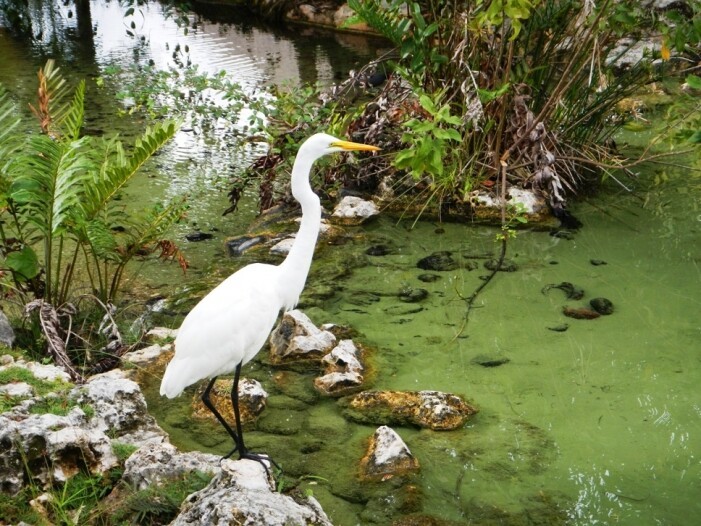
{"x":386,"y":21}
{"x":59,"y":188}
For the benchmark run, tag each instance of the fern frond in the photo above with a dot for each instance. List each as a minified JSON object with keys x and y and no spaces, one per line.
{"x":117,"y":169}
{"x":153,"y":226}
{"x":8,"y":122}
{"x":385,"y":20}
{"x":48,"y":181}
{"x":101,"y":240}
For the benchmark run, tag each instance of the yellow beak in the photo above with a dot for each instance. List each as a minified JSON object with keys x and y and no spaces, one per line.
{"x":353,"y":146}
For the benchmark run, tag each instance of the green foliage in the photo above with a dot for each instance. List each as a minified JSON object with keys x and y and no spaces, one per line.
{"x":58,"y":197}
{"x":534,"y":82}
{"x":159,"y":503}
{"x":15,"y":373}
{"x":15,"y":509}
{"x":428,"y":142}
{"x":123,"y":451}
{"x":71,"y":502}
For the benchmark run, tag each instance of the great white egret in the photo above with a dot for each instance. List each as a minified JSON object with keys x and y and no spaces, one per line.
{"x":227,"y":328}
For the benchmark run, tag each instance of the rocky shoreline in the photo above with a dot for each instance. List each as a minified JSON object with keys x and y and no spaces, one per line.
{"x":52,"y":431}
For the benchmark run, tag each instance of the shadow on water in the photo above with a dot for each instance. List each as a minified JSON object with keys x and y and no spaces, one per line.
{"x":595,"y":424}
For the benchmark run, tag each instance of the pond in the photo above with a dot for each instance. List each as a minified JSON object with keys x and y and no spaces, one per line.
{"x":596,"y":424}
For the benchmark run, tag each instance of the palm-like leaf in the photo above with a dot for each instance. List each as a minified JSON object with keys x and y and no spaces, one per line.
{"x":116,"y":169}
{"x":49,"y":179}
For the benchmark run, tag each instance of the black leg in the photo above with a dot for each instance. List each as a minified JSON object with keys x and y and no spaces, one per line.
{"x":243,"y":451}
{"x":209,"y":405}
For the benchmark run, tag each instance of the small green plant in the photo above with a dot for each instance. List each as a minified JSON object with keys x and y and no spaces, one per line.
{"x":123,"y":451}
{"x":15,"y":509}
{"x":71,"y":502}
{"x":159,"y":503}
{"x":515,"y":215}
{"x":41,"y":387}
{"x":428,"y":142}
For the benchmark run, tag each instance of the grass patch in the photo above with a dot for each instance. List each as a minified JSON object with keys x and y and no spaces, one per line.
{"x":159,"y":503}
{"x":41,"y":387}
{"x":123,"y":451}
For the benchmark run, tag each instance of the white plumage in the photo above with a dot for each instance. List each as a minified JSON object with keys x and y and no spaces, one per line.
{"x":227,"y":328}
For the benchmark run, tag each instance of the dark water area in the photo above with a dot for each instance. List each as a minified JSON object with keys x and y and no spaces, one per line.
{"x":599,"y":423}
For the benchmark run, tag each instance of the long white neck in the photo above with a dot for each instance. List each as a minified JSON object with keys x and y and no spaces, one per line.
{"x":294,"y":270}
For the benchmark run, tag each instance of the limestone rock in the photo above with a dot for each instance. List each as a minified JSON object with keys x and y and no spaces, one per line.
{"x":282,"y":248}
{"x":252,"y":400}
{"x":296,"y":338}
{"x":343,"y":370}
{"x":161,"y":333}
{"x":242,"y":494}
{"x":120,"y":408}
{"x":47,"y":372}
{"x":352,"y":210}
{"x":17,"y":390}
{"x":50,"y":447}
{"x":387,"y":456}
{"x":155,"y":463}
{"x":146,"y":355}
{"x":7,"y":335}
{"x":429,"y":409}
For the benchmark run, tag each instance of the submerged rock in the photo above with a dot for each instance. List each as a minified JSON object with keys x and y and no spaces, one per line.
{"x":194,"y":237}
{"x":378,"y":250}
{"x":297,"y":339}
{"x":506,"y":265}
{"x":602,"y":306}
{"x":252,"y":400}
{"x":581,"y":313}
{"x":412,"y":295}
{"x":387,"y":456}
{"x":490,"y":361}
{"x":240,"y":245}
{"x":243,"y":494}
{"x":438,"y":261}
{"x":352,"y":210}
{"x":572,"y":292}
{"x":429,"y":409}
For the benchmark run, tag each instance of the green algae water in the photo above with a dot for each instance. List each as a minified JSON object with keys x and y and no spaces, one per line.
{"x":595,"y":424}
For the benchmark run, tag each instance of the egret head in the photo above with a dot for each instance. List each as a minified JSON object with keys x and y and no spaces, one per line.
{"x":322,"y":144}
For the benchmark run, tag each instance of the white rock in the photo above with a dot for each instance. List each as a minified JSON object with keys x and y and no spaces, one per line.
{"x":343,"y":357}
{"x":51,"y":445}
{"x":242,"y":494}
{"x":147,"y":354}
{"x":297,"y":338}
{"x":338,"y":383}
{"x":7,"y":335}
{"x":41,"y":371}
{"x":120,"y":408}
{"x":387,"y":455}
{"x":161,"y":333}
{"x":155,"y":463}
{"x":17,"y":389}
{"x":283,"y":247}
{"x":355,"y":210}
{"x":6,"y":359}
{"x":528,"y":199}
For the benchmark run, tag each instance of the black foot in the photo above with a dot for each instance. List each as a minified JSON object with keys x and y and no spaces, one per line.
{"x":264,"y":460}
{"x":228,"y":455}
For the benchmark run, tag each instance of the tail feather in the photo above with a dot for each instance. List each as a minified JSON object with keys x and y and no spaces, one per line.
{"x":177,"y":377}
